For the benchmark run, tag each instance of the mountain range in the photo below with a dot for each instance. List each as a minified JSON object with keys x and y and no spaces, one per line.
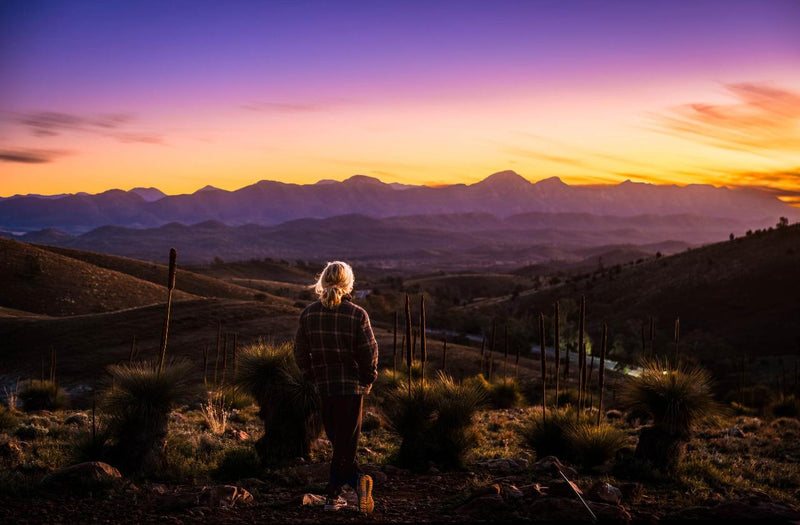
{"x":270,"y":203}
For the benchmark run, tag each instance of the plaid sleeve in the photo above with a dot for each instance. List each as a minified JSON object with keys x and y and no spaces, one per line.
{"x":367,"y":353}
{"x":302,"y":349}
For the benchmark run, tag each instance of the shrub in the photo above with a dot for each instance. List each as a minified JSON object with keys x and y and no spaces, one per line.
{"x":434,"y":421}
{"x":90,"y":446}
{"x":42,"y":395}
{"x":548,"y":436}
{"x":31,"y":431}
{"x":787,"y":407}
{"x":676,"y":398}
{"x":591,"y":445}
{"x":137,"y":405}
{"x":233,"y":398}
{"x":7,"y":419}
{"x":237,"y":463}
{"x":289,"y":405}
{"x":505,"y":394}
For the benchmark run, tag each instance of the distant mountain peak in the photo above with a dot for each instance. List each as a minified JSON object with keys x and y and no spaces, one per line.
{"x":363,"y":179}
{"x":207,"y":187}
{"x":149,"y":194}
{"x":551,"y":182}
{"x":507,"y":178}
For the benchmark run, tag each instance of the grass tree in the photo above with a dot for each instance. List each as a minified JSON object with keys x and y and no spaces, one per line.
{"x":434,"y":421}
{"x":137,"y":407}
{"x":289,"y":405}
{"x":676,"y":398}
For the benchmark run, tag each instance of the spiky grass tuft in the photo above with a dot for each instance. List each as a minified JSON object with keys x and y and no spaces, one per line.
{"x":137,"y":405}
{"x":676,"y":398}
{"x":434,"y":421}
{"x":42,"y":395}
{"x":548,"y":436}
{"x":289,"y":405}
{"x":591,"y":445}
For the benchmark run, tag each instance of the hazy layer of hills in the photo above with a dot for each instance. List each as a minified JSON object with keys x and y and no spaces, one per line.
{"x":270,"y":203}
{"x":441,"y":242}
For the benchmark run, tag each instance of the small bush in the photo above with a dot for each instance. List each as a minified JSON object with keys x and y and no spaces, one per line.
{"x":7,"y":419}
{"x":42,"y":395}
{"x":31,"y":432}
{"x":787,"y":407}
{"x":289,"y":405}
{"x":434,"y":421}
{"x":591,"y":445}
{"x":90,"y":447}
{"x":505,"y":394}
{"x":237,"y":463}
{"x":137,"y":405}
{"x":548,"y":436}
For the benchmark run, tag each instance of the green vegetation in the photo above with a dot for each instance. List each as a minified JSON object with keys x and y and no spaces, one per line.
{"x":137,"y":405}
{"x":434,"y":421}
{"x":42,"y":395}
{"x":677,"y":399}
{"x":289,"y":405}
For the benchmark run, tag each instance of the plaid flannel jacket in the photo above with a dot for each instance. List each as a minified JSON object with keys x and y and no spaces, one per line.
{"x":337,"y":346}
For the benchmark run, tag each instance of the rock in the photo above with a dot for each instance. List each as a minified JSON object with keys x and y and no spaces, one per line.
{"x":433,"y":470}
{"x":739,"y":510}
{"x":570,"y":509}
{"x":500,"y":465}
{"x":371,"y":421}
{"x":240,"y":435}
{"x":312,"y":500}
{"x":391,"y":470}
{"x":563,"y":489}
{"x":734,"y":432}
{"x":375,"y":472}
{"x":605,"y":492}
{"x":488,"y":490}
{"x":631,"y":490}
{"x":158,"y":488}
{"x":511,"y":492}
{"x":224,"y":496}
{"x":11,"y":453}
{"x":83,"y":476}
{"x":551,"y":465}
{"x":534,"y":490}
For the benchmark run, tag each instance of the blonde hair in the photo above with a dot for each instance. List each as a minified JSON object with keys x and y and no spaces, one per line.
{"x":335,"y":281}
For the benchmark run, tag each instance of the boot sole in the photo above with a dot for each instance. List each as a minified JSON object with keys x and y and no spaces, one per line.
{"x":365,"y":502}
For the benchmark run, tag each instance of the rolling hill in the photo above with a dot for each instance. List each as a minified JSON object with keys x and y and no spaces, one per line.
{"x":40,"y":281}
{"x":733,"y":298}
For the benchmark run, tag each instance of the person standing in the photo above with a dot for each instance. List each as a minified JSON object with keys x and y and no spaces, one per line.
{"x":336,"y":349}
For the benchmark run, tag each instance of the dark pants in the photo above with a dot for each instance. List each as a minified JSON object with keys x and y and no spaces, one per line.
{"x":341,"y":416}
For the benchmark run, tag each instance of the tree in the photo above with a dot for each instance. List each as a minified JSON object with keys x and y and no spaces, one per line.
{"x":782,"y":222}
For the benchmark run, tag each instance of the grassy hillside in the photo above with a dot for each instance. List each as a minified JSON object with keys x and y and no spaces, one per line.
{"x":190,"y":282}
{"x":40,"y":281}
{"x":734,"y":298}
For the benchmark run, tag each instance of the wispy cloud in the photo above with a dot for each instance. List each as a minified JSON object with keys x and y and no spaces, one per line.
{"x":31,"y":156}
{"x":118,"y":126}
{"x":283,"y":107}
{"x":763,"y":118}
{"x":538,"y":155}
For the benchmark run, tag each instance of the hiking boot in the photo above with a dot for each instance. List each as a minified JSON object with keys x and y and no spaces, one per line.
{"x":335,"y":503}
{"x":364,"y":490}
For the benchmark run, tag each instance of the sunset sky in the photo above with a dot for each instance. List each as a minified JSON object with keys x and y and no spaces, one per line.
{"x":177,"y":95}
